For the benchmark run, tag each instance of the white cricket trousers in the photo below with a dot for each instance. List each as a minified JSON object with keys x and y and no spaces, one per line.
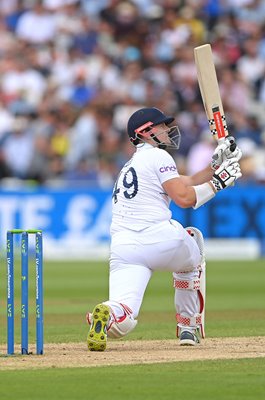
{"x":134,"y":256}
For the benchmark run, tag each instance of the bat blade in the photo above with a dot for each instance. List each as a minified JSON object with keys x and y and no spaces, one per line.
{"x":210,"y":93}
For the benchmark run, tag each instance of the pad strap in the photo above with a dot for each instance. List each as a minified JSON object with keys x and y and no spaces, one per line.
{"x":187,"y":285}
{"x":189,"y":321}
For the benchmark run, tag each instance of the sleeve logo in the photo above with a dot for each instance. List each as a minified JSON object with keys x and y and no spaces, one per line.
{"x":167,"y":168}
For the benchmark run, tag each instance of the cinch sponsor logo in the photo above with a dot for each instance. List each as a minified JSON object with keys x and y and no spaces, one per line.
{"x":168,"y":168}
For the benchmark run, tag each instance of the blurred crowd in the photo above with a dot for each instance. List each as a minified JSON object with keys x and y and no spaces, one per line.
{"x":72,"y":72}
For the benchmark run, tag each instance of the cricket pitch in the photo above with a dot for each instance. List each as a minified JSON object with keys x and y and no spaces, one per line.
{"x":70,"y":355}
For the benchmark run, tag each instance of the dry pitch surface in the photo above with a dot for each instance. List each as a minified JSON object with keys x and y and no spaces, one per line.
{"x":135,"y":352}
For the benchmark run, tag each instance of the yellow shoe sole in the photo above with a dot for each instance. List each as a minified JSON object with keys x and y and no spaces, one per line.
{"x":97,"y":335}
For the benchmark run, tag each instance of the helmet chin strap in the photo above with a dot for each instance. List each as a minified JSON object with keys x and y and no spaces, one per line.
{"x":160,"y":145}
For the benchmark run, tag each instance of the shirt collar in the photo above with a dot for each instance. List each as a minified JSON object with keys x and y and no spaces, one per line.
{"x":144,"y":146}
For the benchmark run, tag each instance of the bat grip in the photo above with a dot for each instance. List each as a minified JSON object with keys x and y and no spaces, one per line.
{"x":232,"y":145}
{"x":232,"y":149}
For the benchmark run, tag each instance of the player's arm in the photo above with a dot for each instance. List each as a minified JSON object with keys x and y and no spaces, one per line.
{"x":222,"y":153}
{"x":190,"y":192}
{"x":181,"y":193}
{"x":200,"y":177}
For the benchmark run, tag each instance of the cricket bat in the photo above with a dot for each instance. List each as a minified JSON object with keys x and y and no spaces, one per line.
{"x":210,"y":93}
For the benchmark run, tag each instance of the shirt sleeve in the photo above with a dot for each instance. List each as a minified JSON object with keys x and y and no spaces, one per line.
{"x":165,"y":166}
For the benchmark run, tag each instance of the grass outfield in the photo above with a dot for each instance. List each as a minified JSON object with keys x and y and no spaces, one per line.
{"x":235,"y":307}
{"x":208,"y":380}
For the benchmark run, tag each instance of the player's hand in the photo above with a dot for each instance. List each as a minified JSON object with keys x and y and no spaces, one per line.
{"x":225,"y":151}
{"x":226,"y":174}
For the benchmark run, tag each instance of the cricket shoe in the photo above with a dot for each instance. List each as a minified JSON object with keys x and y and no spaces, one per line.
{"x":97,"y":335}
{"x":89,"y":316}
{"x":188,"y":338}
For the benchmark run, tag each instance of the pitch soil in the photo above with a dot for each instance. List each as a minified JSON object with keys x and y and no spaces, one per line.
{"x":70,"y":355}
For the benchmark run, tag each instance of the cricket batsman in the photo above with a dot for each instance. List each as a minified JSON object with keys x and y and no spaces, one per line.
{"x":145,"y":238}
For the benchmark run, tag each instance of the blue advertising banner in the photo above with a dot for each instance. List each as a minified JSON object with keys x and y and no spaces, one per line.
{"x":61,"y":214}
{"x":238,"y":212}
{"x":81,"y":214}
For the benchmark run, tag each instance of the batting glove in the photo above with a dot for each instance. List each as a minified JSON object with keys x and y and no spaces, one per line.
{"x":226,"y":174}
{"x":225,"y":151}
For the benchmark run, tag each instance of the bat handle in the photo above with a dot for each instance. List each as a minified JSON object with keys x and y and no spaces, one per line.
{"x":232,"y":149}
{"x":232,"y":145}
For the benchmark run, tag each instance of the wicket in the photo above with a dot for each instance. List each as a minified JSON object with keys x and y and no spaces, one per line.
{"x":24,"y":289}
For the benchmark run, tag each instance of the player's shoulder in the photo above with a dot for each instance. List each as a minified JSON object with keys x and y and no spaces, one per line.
{"x":156,"y":151}
{"x":162,"y":154}
{"x":152,"y":155}
{"x":161,"y":151}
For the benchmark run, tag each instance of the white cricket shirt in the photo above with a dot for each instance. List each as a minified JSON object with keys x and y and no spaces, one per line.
{"x":138,"y":196}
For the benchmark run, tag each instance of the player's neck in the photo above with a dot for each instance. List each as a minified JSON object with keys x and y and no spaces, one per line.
{"x":144,"y":146}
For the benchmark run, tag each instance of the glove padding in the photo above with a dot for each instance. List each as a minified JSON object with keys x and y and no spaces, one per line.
{"x":226,"y":174}
{"x":225,"y":151}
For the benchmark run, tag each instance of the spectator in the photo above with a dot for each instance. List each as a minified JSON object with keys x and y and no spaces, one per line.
{"x":36,"y":25}
{"x":6,"y":121}
{"x":83,"y":139}
{"x":21,"y":80}
{"x":85,"y":39}
{"x":77,"y":69}
{"x":18,"y":149}
{"x":200,"y":154}
{"x":250,"y":65}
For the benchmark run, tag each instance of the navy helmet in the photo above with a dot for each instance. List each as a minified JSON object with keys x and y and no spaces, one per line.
{"x":142,"y":121}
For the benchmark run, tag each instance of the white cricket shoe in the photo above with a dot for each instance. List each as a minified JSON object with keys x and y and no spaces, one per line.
{"x":188,"y":338}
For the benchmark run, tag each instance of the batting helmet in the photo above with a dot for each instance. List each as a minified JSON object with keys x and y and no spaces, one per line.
{"x":142,"y":121}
